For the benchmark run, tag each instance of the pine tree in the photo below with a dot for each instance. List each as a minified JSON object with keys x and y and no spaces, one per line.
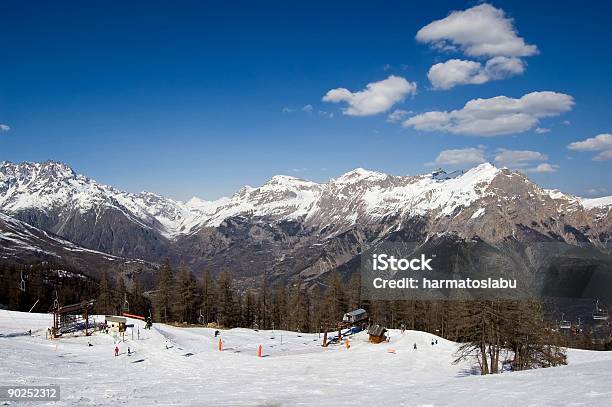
{"x":299,"y":308}
{"x":208,"y":297}
{"x":164,"y":295}
{"x":186,"y":288}
{"x":104,"y":303}
{"x":121,"y":297}
{"x":227,"y":314}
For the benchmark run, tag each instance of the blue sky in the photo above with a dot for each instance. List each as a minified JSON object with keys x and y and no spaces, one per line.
{"x":191,"y":98}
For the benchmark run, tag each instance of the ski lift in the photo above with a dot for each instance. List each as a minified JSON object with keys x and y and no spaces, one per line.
{"x":201,"y":318}
{"x":22,"y":285}
{"x":600,"y":314}
{"x":126,"y":304}
{"x":564,"y":324}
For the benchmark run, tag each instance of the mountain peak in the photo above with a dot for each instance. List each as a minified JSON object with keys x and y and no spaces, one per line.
{"x":359,"y":174}
{"x":51,"y":167}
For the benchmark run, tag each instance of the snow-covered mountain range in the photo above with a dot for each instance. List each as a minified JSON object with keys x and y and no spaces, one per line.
{"x":288,"y":215}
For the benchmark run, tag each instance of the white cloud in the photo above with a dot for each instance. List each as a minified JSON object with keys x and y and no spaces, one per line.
{"x":603,"y":156}
{"x":601,"y":142}
{"x":376,"y":98}
{"x":307,"y":108}
{"x":453,"y":72}
{"x":544,"y":167}
{"x":329,"y":115}
{"x":566,"y":122}
{"x":4,"y":127}
{"x":480,"y":31}
{"x":596,"y":191}
{"x":459,"y":157}
{"x":397,"y":115}
{"x":518,"y":158}
{"x":597,"y":143}
{"x":494,"y":116}
{"x":542,"y":130}
{"x":288,"y":110}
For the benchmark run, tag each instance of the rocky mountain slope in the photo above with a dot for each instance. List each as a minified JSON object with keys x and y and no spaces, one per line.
{"x":23,"y":243}
{"x":289,"y":226}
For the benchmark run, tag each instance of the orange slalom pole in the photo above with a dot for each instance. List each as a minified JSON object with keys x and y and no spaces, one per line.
{"x":220,"y":345}
{"x":347,"y":344}
{"x":259,"y":351}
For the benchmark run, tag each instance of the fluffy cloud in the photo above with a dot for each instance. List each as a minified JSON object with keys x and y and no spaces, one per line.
{"x":459,"y":157}
{"x":4,"y":127}
{"x":397,"y":115}
{"x":544,"y":167}
{"x":597,"y":143}
{"x":601,"y":143}
{"x":603,"y":156}
{"x":518,"y":158}
{"x":480,"y":31}
{"x":453,"y":72}
{"x":542,"y":130}
{"x":307,"y":108}
{"x":494,"y":116}
{"x":376,"y":98}
{"x":287,"y":109}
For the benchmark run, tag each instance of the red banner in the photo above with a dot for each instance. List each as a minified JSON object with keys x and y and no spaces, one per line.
{"x":133,"y":316}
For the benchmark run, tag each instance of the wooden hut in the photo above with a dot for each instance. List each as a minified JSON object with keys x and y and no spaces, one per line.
{"x":376,"y":334}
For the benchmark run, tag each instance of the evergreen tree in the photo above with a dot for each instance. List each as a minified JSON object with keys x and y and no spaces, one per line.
{"x":227,"y":315}
{"x":104,"y":302}
{"x":208,"y":298}
{"x":186,"y":288}
{"x":164,"y":294}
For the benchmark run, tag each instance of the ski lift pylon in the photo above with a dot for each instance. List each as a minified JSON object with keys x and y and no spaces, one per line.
{"x":564,"y":324}
{"x":600,"y":314}
{"x":126,"y":304}
{"x":22,"y":284}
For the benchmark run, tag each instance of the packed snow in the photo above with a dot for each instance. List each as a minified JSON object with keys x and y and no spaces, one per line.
{"x":183,"y":367}
{"x":590,"y":203}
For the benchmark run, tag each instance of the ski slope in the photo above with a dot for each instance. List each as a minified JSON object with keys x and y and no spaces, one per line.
{"x":297,"y":372}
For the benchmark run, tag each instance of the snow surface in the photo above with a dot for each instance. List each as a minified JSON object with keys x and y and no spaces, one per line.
{"x":590,"y":203}
{"x":298,"y":372}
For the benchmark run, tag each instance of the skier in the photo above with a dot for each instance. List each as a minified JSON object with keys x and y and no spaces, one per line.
{"x":415,"y":347}
{"x":89,"y":344}
{"x":129,"y":352}
{"x":166,"y":344}
{"x":217,"y":333}
{"x":436,"y":341}
{"x":116,"y":350}
{"x":432,"y":342}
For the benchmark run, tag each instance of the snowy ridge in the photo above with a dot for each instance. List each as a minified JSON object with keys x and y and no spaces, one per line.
{"x":358,"y":196}
{"x":592,"y":203}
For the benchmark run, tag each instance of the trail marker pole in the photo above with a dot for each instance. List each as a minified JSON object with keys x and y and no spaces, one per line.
{"x":259,"y":351}
{"x":220,"y":345}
